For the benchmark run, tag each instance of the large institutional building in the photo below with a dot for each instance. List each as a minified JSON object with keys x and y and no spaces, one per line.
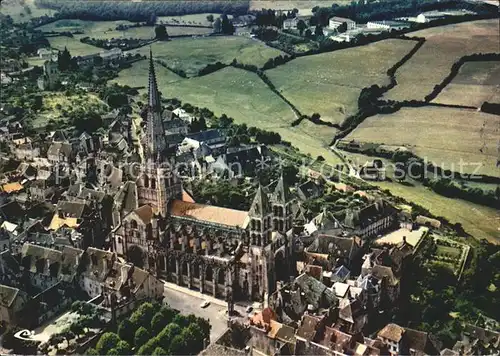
{"x":230,"y":254}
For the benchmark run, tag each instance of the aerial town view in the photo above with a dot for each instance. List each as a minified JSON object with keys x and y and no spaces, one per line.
{"x":250,"y":177}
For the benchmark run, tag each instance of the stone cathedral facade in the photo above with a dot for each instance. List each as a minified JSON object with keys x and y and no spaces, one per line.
{"x":230,"y":254}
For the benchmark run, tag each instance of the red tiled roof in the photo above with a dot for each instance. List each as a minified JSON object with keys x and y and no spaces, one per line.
{"x":208,"y":213}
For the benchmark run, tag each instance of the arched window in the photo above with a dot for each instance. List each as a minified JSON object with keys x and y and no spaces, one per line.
{"x":209,"y":274}
{"x":146,"y":181}
{"x":149,"y":231}
{"x":153,"y":183}
{"x":133,"y":224}
{"x":221,"y":278}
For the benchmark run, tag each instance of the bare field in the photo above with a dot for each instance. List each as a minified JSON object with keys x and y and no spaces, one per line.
{"x":442,"y":135}
{"x":330,"y":83}
{"x":475,"y":83}
{"x":444,"y":46}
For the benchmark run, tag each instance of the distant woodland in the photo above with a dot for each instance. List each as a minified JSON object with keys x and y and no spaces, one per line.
{"x":139,"y":11}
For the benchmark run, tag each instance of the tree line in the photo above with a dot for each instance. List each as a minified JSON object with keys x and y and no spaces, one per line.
{"x":153,"y":329}
{"x":139,"y":11}
{"x":476,"y":57}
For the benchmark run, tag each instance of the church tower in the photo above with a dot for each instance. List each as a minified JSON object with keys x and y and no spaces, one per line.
{"x":282,"y":207}
{"x":260,"y":261}
{"x":260,"y":219}
{"x":158,"y":183}
{"x":155,"y":136}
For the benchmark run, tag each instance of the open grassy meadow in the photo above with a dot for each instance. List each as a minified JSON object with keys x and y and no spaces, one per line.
{"x":75,"y":47}
{"x":480,"y":221}
{"x":191,"y":19}
{"x":240,"y":95}
{"x":107,"y":29}
{"x":23,"y":12}
{"x":330,"y":83}
{"x":442,"y":135}
{"x":475,"y":83}
{"x":235,"y":92}
{"x":444,"y":46}
{"x":192,"y":54}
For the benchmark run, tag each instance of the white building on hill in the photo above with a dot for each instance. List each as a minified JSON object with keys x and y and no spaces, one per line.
{"x":336,"y":22}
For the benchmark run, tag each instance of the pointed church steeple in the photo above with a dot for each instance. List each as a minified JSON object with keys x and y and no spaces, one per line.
{"x":281,"y":193}
{"x":260,"y":205}
{"x":154,"y":95}
{"x":155,"y":136}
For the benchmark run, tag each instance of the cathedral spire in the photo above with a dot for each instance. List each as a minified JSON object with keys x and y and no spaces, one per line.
{"x":155,"y":138}
{"x":154,"y":95}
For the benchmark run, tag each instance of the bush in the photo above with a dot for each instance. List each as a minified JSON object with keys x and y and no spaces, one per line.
{"x":141,"y":336}
{"x":107,"y":342}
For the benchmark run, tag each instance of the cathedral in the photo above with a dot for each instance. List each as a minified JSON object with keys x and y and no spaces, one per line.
{"x":229,"y":254}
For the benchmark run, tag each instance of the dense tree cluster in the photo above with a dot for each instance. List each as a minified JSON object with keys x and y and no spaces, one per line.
{"x":434,"y":294}
{"x":269,"y":17}
{"x":153,"y":329}
{"x":211,"y":67}
{"x":491,"y":108}
{"x":139,"y":11}
{"x":223,"y":25}
{"x":161,"y":33}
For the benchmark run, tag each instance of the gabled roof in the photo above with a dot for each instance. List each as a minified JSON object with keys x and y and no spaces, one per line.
{"x":419,"y":342}
{"x":207,"y":135}
{"x":209,"y":214}
{"x":60,"y":148}
{"x":381,"y":272}
{"x":308,"y":327}
{"x":145,"y":213}
{"x":11,"y":211}
{"x":126,"y":198}
{"x":369,"y":214}
{"x":392,"y":332}
{"x":8,"y":295}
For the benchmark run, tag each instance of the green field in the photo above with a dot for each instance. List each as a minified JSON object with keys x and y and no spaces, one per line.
{"x":192,"y":54}
{"x":444,"y":136}
{"x":477,"y":220}
{"x":75,"y":47}
{"x":481,"y":82}
{"x":18,"y":12}
{"x":238,"y":94}
{"x":330,"y":83}
{"x":191,"y":19}
{"x":107,"y":29}
{"x":447,"y":250}
{"x":444,"y":46}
